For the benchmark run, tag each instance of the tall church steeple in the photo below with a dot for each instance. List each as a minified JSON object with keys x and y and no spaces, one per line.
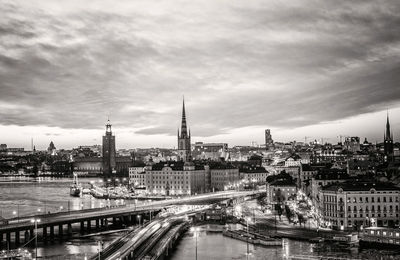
{"x":183,"y":124}
{"x":184,"y":146}
{"x":388,"y":134}
{"x":388,"y":140}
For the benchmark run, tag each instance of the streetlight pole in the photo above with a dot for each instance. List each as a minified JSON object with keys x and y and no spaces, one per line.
{"x":35,"y":221}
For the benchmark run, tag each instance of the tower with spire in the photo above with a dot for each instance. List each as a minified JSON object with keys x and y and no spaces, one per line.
{"x":109,"y":152}
{"x":388,"y":139}
{"x":184,"y":149}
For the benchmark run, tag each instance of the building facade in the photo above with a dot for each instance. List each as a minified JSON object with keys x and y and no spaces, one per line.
{"x":223,"y":177}
{"x":210,"y":151}
{"x":175,"y":178}
{"x":355,"y":205}
{"x":280,"y":191}
{"x":137,"y":176}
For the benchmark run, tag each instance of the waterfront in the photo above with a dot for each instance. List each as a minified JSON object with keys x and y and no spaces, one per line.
{"x":52,"y":193}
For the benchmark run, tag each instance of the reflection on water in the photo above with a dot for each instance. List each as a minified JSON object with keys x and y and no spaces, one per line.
{"x":27,"y":198}
{"x":215,"y":246}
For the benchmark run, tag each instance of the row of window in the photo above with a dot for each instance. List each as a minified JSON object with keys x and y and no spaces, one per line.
{"x":361,"y":215}
{"x":328,"y":198}
{"x":373,"y":208}
{"x":372,"y":199}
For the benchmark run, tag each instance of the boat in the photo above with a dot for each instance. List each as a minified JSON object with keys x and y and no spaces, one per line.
{"x":346,"y":240}
{"x":253,"y":238}
{"x":75,"y":189}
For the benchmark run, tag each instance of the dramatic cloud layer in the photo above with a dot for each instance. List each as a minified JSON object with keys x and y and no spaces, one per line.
{"x":282,"y":64}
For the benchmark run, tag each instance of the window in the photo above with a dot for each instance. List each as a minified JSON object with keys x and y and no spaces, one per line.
{"x":360,"y":199}
{"x":384,"y":199}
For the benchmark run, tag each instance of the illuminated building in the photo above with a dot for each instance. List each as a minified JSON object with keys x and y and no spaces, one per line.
{"x":175,"y":178}
{"x":354,"y":205}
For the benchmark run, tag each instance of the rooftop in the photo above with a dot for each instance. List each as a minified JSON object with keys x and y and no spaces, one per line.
{"x":361,"y":186}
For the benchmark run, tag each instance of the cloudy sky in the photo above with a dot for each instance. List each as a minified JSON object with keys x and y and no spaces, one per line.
{"x":301,"y":68}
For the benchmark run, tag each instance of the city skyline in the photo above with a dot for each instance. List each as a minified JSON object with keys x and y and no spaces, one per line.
{"x":308,"y":70}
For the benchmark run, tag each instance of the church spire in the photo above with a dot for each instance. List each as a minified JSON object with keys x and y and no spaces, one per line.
{"x":183,"y":125}
{"x":387,"y":134}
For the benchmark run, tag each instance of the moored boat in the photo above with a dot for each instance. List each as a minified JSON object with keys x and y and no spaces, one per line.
{"x":75,"y":189}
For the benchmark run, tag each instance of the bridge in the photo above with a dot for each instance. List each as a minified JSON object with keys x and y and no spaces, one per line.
{"x":151,"y":241}
{"x":61,"y":224}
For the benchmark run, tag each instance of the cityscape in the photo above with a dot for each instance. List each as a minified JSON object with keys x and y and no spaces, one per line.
{"x":139,"y":130}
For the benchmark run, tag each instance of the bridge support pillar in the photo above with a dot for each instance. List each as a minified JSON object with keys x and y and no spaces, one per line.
{"x":17,"y":238}
{"x":82,"y":227}
{"x":114,"y":221}
{"x":60,"y":232}
{"x":69,"y":229}
{"x":8,"y":237}
{"x":52,"y":233}
{"x":45,"y":234}
{"x":106,"y":223}
{"x":102,"y":222}
{"x":31,"y":234}
{"x":88,"y":226}
{"x":26,"y":236}
{"x":97,"y":224}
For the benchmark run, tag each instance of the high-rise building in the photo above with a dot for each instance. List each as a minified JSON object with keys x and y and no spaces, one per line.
{"x":269,"y":143}
{"x":184,"y":147}
{"x":109,"y":153}
{"x":388,"y":140}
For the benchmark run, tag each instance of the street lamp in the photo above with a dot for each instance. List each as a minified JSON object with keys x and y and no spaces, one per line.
{"x":35,"y":221}
{"x":139,"y":218}
{"x":195,"y":232}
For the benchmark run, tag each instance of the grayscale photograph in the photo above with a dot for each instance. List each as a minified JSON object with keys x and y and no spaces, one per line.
{"x":199,"y":130}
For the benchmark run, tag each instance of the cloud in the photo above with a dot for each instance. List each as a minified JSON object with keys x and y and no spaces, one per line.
{"x":292,"y":64}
